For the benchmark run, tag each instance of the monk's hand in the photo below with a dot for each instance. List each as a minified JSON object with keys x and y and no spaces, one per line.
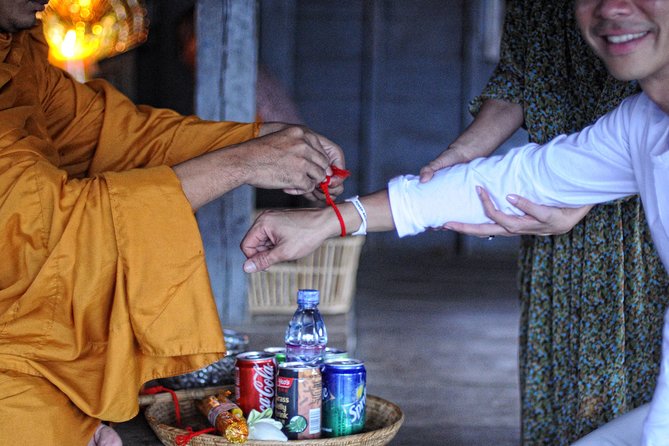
{"x":283,"y":235}
{"x":295,"y":159}
{"x":538,"y":219}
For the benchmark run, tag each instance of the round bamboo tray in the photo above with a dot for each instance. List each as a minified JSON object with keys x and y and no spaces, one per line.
{"x":383,"y":421}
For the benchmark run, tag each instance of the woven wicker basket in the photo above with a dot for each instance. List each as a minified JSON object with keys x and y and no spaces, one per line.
{"x":331,"y":269}
{"x":383,"y":421}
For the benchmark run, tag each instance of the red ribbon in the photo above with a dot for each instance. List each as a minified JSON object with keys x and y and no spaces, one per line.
{"x":336,"y":172}
{"x":175,"y":399}
{"x":184,"y":439}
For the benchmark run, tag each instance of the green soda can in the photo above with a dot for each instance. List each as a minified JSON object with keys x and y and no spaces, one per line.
{"x":344,"y":397}
{"x":279,"y":353}
{"x":334,"y":353}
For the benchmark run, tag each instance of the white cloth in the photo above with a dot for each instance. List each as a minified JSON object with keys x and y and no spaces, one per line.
{"x":622,"y":431}
{"x":624,"y":153}
{"x":656,"y":427}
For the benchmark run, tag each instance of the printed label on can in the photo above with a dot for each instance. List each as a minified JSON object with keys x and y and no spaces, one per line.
{"x":254,"y":381}
{"x":344,"y":398}
{"x":298,"y":402}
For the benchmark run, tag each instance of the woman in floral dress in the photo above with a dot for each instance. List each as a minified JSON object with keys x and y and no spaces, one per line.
{"x":592,"y":300}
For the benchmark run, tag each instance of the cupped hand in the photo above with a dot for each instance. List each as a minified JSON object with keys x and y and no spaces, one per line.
{"x":538,"y":219}
{"x":282,"y":235}
{"x":447,"y":158}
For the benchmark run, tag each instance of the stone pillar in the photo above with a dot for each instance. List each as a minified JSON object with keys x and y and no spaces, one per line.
{"x":225,"y":90}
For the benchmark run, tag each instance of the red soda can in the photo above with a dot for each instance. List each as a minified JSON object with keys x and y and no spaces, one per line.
{"x":255,"y":373}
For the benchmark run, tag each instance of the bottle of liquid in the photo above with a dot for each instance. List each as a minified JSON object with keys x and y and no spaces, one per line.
{"x":306,"y":336}
{"x":225,"y":416}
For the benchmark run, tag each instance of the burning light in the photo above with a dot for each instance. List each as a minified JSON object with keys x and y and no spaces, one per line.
{"x":82,"y":32}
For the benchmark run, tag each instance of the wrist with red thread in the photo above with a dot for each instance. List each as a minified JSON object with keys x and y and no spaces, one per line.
{"x":342,"y":173}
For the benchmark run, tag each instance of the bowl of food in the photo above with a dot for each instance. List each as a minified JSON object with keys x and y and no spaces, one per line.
{"x":219,"y":373}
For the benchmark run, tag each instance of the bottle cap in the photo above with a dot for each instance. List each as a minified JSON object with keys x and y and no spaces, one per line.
{"x":308,"y":297}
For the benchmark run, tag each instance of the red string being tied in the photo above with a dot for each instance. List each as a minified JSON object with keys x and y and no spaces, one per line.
{"x":336,"y":172}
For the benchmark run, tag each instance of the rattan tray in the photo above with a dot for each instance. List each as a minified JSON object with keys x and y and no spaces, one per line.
{"x":383,"y":421}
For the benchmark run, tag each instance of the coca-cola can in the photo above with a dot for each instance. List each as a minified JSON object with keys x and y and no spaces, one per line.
{"x":255,"y":373}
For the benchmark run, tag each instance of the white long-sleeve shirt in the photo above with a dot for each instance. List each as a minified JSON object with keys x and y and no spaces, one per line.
{"x":625,"y":152}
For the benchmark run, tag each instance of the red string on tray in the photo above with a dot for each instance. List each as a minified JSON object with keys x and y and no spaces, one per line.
{"x":183,"y":439}
{"x":336,"y":172}
{"x":175,"y":399}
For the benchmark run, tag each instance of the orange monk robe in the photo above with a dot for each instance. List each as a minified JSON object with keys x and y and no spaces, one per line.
{"x":103,"y":282}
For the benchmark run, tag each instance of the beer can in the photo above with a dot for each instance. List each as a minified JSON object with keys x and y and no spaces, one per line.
{"x":255,"y":374}
{"x":344,"y":397}
{"x":279,"y":353}
{"x":334,"y":353}
{"x":298,"y":400}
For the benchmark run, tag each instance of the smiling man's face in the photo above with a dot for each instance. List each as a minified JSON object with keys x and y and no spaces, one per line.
{"x":16,"y":15}
{"x":630,"y":36}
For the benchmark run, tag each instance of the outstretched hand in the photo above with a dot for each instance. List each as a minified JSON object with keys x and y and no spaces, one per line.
{"x":538,"y":219}
{"x":282,"y":235}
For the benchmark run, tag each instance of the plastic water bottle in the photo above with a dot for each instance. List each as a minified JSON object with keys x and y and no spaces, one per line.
{"x":306,"y":336}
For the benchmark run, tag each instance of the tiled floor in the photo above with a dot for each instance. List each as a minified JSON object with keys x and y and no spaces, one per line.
{"x":438,"y":337}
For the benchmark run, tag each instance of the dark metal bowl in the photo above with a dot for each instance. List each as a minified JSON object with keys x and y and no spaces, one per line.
{"x":219,"y":373}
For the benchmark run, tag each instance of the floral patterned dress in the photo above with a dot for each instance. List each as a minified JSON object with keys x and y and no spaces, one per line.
{"x":592,"y":300}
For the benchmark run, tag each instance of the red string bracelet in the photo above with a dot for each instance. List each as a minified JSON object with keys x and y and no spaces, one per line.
{"x":336,"y":172}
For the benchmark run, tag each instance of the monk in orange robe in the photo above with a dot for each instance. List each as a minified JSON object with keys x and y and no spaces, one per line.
{"x":103,"y":282}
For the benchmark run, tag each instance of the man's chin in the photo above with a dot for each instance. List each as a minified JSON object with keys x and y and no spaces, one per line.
{"x":624,"y":71}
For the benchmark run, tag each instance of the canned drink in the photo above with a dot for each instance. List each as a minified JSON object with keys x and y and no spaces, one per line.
{"x":334,"y":353}
{"x":279,"y":353}
{"x":344,"y":397}
{"x":298,"y":400}
{"x":255,"y":374}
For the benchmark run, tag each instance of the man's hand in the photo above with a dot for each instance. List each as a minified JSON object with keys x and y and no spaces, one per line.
{"x":282,"y":235}
{"x":538,"y":219}
{"x":288,"y":157}
{"x":295,"y":159}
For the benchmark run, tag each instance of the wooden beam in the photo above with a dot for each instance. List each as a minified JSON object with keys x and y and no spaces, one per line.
{"x":225,"y":90}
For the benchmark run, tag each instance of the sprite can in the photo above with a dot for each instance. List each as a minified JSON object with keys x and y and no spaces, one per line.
{"x":344,"y":397}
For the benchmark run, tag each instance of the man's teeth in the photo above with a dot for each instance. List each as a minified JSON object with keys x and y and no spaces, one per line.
{"x":624,"y":37}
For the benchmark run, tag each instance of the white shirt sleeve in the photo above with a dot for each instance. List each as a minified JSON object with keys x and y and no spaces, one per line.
{"x":592,"y":166}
